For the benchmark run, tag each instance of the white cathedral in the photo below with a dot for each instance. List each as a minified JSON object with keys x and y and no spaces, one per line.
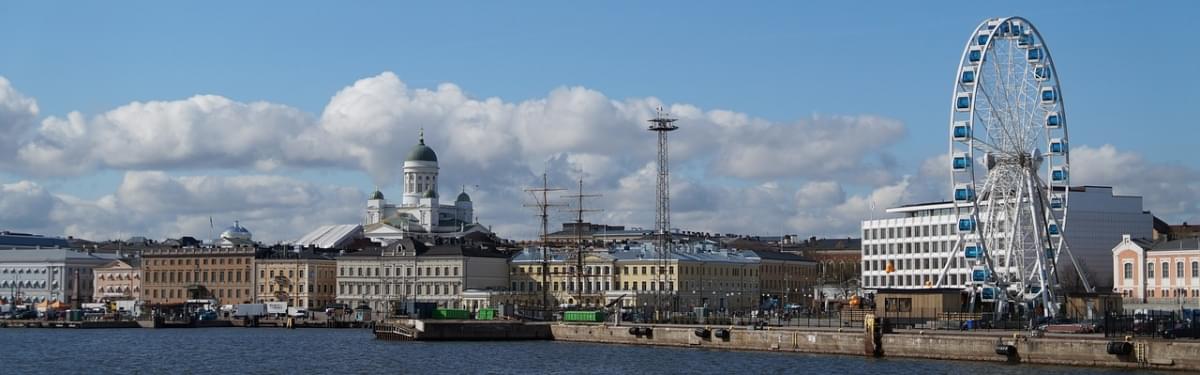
{"x":419,"y":213}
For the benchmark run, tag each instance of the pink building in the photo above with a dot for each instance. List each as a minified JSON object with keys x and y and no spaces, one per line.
{"x":1157,"y":272}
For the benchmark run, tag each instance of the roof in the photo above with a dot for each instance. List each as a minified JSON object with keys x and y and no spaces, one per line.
{"x":377,"y":194}
{"x":330,"y":236}
{"x":463,"y":197}
{"x":421,"y":152}
{"x":55,"y":255}
{"x":1180,"y":244}
{"x":10,"y":240}
{"x":775,"y":255}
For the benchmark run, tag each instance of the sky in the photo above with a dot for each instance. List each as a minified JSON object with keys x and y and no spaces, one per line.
{"x":150,"y":118}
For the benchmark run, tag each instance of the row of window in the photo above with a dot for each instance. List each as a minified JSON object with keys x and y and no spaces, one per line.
{"x":1166,"y":270}
{"x":388,"y":271}
{"x":311,"y":289}
{"x":908,"y":232}
{"x":888,"y":281}
{"x":393,"y":289}
{"x":201,"y":261}
{"x":198,"y":276}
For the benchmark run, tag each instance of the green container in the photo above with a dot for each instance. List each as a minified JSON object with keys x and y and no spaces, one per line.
{"x":485,"y":314}
{"x":583,"y":316}
{"x":451,"y":314}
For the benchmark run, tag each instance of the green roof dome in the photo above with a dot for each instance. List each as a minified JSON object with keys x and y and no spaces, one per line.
{"x":421,"y":152}
{"x":377,"y":194}
{"x":463,"y":197}
{"x":430,"y":194}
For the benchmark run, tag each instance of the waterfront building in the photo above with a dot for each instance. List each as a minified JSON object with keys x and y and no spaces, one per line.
{"x":419,"y":212}
{"x":635,"y":275}
{"x":1165,"y":272}
{"x":12,"y":240}
{"x":304,"y":279}
{"x":918,"y":239}
{"x":119,"y":280}
{"x":174,"y":275}
{"x":49,"y":275}
{"x":787,"y":279}
{"x":408,"y":270}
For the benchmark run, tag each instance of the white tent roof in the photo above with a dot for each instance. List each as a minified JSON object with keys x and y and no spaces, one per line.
{"x":330,"y":236}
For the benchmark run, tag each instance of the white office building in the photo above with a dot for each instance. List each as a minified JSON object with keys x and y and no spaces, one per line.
{"x":918,"y":239}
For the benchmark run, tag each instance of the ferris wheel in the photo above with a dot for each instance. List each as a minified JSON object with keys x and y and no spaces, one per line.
{"x":1010,"y":165}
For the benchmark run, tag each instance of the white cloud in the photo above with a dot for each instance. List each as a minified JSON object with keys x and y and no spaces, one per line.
{"x":1168,"y":190}
{"x":18,"y":116}
{"x":157,"y":205}
{"x":732,"y":172}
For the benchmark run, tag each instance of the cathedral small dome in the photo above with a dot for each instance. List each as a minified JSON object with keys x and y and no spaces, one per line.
{"x":463,"y":197}
{"x":377,"y":194}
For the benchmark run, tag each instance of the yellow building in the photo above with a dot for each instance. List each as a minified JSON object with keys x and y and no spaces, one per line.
{"x":175,"y":275}
{"x":634,"y":276}
{"x":305,"y":280}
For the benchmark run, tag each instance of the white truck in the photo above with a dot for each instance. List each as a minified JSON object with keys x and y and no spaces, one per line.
{"x":250,"y":310}
{"x":277,"y":308}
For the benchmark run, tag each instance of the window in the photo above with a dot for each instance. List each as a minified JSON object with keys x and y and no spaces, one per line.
{"x":1128,"y":271}
{"x":1195,"y":269}
{"x":1166,"y":269}
{"x":897,"y":305}
{"x":1179,"y":269}
{"x":1150,"y":270}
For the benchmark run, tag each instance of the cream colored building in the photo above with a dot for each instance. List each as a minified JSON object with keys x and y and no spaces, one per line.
{"x":174,"y":275}
{"x":118,"y":280}
{"x":305,"y":280}
{"x":408,"y":270}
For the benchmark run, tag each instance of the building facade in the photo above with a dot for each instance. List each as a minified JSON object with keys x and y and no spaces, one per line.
{"x":119,"y":280}
{"x":49,"y":275}
{"x":1162,"y":272}
{"x":919,"y":239}
{"x":175,"y":275}
{"x":407,"y":270}
{"x":634,"y":275}
{"x":304,"y":280}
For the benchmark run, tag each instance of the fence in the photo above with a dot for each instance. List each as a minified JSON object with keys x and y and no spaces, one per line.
{"x":1168,"y":324}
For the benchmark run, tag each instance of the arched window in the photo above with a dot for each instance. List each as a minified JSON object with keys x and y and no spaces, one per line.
{"x":1128,"y":271}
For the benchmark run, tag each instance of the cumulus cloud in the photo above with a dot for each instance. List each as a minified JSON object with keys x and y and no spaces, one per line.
{"x":18,"y":117}
{"x":204,"y":131}
{"x":732,"y":172}
{"x":1168,"y":190}
{"x":157,"y":205}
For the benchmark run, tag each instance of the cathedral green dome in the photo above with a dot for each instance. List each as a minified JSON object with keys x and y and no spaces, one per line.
{"x":421,"y":152}
{"x":463,"y":197}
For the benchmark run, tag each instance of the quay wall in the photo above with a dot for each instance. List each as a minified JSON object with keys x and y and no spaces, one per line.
{"x":1082,"y":351}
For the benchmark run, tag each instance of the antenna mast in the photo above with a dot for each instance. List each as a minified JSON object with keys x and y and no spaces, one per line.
{"x":580,"y":276}
{"x":542,"y":204}
{"x":662,"y":124}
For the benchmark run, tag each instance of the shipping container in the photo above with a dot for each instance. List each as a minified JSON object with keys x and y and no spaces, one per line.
{"x":485,"y":314}
{"x":583,"y":316}
{"x":451,"y":314}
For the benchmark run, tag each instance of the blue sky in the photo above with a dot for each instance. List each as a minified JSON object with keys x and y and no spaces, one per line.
{"x":1126,"y":67}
